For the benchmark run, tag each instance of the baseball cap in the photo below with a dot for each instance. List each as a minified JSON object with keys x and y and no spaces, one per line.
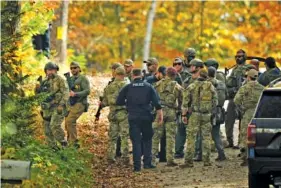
{"x":115,"y":65}
{"x":252,"y":73}
{"x":151,"y":61}
{"x":120,"y":71}
{"x":128,"y":62}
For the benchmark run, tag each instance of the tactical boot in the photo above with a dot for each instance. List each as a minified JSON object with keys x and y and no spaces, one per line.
{"x":244,"y":163}
{"x":207,"y":163}
{"x":111,"y":161}
{"x":64,"y":144}
{"x":171,"y":164}
{"x":197,"y":158}
{"x":220,"y":158}
{"x":235,"y":147}
{"x":149,"y":166}
{"x":179,"y":155}
{"x":229,"y":146}
{"x":126,"y":161}
{"x":187,"y":165}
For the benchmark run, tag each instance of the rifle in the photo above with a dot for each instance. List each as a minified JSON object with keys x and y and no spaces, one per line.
{"x":99,"y":110}
{"x":72,"y":100}
{"x":97,"y":115}
{"x":226,"y":70}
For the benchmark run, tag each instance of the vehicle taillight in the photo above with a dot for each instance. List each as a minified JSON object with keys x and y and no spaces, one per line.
{"x":251,"y":135}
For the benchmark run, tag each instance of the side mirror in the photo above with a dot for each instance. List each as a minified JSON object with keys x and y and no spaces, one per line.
{"x":14,"y":172}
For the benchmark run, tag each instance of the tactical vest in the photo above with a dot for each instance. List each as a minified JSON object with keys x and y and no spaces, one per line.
{"x":202,"y":97}
{"x":166,"y":91}
{"x":112,"y":91}
{"x":236,"y":77}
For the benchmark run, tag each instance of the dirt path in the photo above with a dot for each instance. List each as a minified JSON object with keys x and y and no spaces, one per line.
{"x":220,"y":175}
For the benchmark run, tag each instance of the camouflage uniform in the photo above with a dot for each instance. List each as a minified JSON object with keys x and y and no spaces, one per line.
{"x":233,"y":83}
{"x":54,"y":108}
{"x":78,"y":104}
{"x":201,"y":98}
{"x":118,"y":117}
{"x":170,"y":93}
{"x":247,"y":98}
{"x":129,"y":63}
{"x":269,"y":75}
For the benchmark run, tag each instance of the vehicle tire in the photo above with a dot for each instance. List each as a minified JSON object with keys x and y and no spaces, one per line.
{"x":258,"y":181}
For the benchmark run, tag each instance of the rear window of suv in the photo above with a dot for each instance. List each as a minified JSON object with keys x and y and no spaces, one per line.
{"x":269,"y":105}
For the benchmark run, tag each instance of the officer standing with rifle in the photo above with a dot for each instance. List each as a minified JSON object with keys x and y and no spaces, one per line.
{"x":54,"y":107}
{"x":113,"y":67}
{"x":79,"y":88}
{"x":233,"y":83}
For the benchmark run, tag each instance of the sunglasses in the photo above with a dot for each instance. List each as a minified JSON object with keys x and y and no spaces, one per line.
{"x":73,"y":68}
{"x":238,"y":56}
{"x":148,"y":64}
{"x":175,"y":64}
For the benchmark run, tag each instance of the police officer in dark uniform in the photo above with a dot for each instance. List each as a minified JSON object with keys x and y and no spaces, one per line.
{"x":138,"y":97}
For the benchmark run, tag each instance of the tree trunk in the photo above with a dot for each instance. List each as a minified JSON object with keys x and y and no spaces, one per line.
{"x":120,"y":42}
{"x":133,"y":49}
{"x":59,"y":33}
{"x":201,"y":25}
{"x":147,"y":39}
{"x":64,"y":18}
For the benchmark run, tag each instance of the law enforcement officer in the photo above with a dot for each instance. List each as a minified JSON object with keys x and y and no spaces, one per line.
{"x":200,"y":99}
{"x":79,"y":90}
{"x":233,"y":83}
{"x":247,"y":98}
{"x":118,"y":117}
{"x":152,"y":66}
{"x":189,"y":54}
{"x":182,"y":74}
{"x":153,"y":79}
{"x":272,"y":72}
{"x":161,"y":73}
{"x":54,"y":107}
{"x":129,"y":65}
{"x":170,"y":93}
{"x":196,"y":65}
{"x":178,"y":64}
{"x":138,"y":96}
{"x":218,"y":116}
{"x":214,"y":63}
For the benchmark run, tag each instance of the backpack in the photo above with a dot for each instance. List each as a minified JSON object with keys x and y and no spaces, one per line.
{"x":202,"y":97}
{"x":166,"y":92}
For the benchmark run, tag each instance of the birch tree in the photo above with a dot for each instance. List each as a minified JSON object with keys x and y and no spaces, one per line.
{"x":149,"y":26}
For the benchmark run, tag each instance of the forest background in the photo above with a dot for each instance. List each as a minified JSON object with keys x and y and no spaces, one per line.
{"x":98,"y":33}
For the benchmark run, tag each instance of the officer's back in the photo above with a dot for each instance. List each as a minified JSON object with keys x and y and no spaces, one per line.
{"x":139,"y":95}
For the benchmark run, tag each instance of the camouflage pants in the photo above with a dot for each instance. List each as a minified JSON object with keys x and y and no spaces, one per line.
{"x":75,"y":112}
{"x":243,"y":129}
{"x":170,"y":125}
{"x":119,"y":126}
{"x":195,"y":123}
{"x":52,"y":125}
